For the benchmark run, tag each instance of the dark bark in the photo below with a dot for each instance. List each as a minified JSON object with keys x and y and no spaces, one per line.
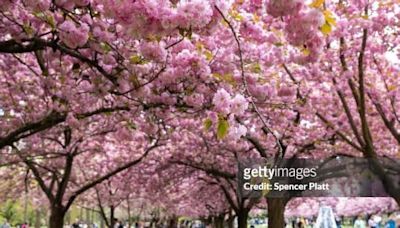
{"x":229,"y":221}
{"x":47,"y":122}
{"x":218,"y":221}
{"x":38,"y":219}
{"x":276,"y":209}
{"x":173,"y":222}
{"x":112,"y":216}
{"x":388,"y":182}
{"x":129,"y":212}
{"x":28,"y":129}
{"x":242,"y":217}
{"x":12,"y":46}
{"x":56,"y":219}
{"x":109,"y":175}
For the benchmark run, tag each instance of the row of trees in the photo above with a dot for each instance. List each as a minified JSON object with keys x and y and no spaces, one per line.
{"x":159,"y":101}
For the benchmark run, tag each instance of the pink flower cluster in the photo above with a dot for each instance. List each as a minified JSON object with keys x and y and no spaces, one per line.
{"x":304,"y":26}
{"x":195,"y":100}
{"x":153,"y":51}
{"x":303,"y":30}
{"x":153,"y":17}
{"x":68,"y":4}
{"x":253,"y":31}
{"x":74,"y":35}
{"x":6,"y":5}
{"x":281,"y":8}
{"x":225,"y":104}
{"x":38,"y":5}
{"x":193,"y":14}
{"x":236,"y":131}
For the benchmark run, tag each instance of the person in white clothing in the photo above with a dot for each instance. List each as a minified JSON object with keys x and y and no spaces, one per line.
{"x":360,"y":222}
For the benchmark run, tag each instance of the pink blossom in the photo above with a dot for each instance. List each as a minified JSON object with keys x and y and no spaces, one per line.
{"x":193,"y":13}
{"x":82,"y":2}
{"x":123,"y":134}
{"x":239,"y":104}
{"x":280,"y":8}
{"x":221,"y":101}
{"x":38,"y":5}
{"x":67,"y":4}
{"x":253,"y":31}
{"x":196,"y":100}
{"x":72,"y":35}
{"x":304,"y":26}
{"x":6,"y":5}
{"x":72,"y":121}
{"x":236,"y":132}
{"x":153,"y":51}
{"x":285,"y":91}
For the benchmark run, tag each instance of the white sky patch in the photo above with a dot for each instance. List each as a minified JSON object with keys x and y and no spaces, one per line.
{"x":22,"y":103}
{"x":392,"y":57}
{"x":2,"y":113}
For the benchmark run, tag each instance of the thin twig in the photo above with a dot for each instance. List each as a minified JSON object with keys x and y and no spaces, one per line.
{"x":278,"y":142}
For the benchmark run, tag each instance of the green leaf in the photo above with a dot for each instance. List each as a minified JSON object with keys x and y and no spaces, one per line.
{"x":209,"y":55}
{"x":137,"y":59}
{"x":265,"y":192}
{"x":222,"y":128}
{"x":106,"y":48}
{"x":182,"y":31}
{"x":326,"y":29}
{"x":329,"y":18}
{"x":317,"y":3}
{"x":256,"y":68}
{"x":207,"y":124}
{"x":131,"y":125}
{"x":189,"y":34}
{"x":50,"y":19}
{"x":228,"y":77}
{"x":28,"y":29}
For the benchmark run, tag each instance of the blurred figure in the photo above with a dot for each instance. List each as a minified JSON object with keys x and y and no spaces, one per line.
{"x":6,"y":225}
{"x":75,"y":224}
{"x":301,"y":224}
{"x":391,"y":223}
{"x":374,"y":221}
{"x":118,"y":224}
{"x":360,"y":222}
{"x":338,"y":220}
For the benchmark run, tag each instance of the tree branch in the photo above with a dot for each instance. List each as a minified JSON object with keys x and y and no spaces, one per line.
{"x":109,"y":175}
{"x":48,"y":122}
{"x":277,"y":140}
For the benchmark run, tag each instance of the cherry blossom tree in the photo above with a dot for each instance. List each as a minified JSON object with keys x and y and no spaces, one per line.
{"x":90,"y":87}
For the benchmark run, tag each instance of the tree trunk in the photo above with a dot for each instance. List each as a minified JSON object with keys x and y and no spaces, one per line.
{"x":56,"y":217}
{"x":229,"y":221}
{"x":276,"y":209}
{"x":377,"y":168}
{"x":88,"y":216}
{"x":173,"y":222}
{"x":38,"y":219}
{"x":102,"y":225}
{"x":218,"y":221}
{"x":129,"y":212}
{"x":112,"y":219}
{"x":242,"y":217}
{"x":397,"y":199}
